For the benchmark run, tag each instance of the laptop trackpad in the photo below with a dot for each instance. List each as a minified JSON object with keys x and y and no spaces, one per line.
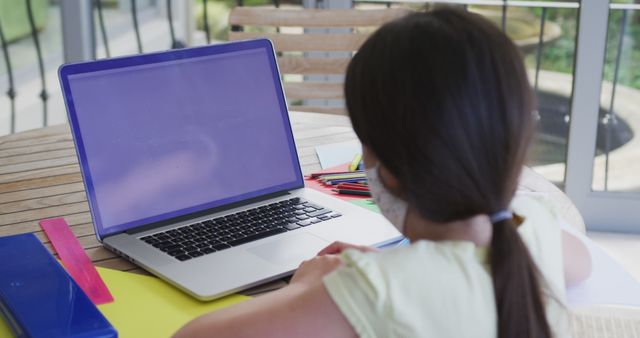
{"x":290,"y":251}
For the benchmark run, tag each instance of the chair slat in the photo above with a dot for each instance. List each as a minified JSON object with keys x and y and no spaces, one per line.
{"x":259,"y":16}
{"x":307,"y":42}
{"x":313,"y":90}
{"x":307,"y":65}
{"x":312,"y":42}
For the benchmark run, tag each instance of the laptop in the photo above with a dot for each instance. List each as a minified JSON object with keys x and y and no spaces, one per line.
{"x":191,"y":170}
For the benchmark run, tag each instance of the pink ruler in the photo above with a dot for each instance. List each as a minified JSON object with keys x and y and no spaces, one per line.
{"x":75,"y":260}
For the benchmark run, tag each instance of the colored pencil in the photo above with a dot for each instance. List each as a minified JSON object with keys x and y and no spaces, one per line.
{"x":355,"y":162}
{"x":352,"y":192}
{"x":351,"y":187}
{"x":361,"y":184}
{"x":314,"y":175}
{"x":333,"y":177}
{"x":344,"y":180}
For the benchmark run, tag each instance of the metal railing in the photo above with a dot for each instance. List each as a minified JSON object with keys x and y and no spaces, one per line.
{"x":97,"y":4}
{"x":101,"y":32}
{"x":136,"y":26}
{"x":11,"y":91}
{"x":44,"y":95}
{"x":544,"y":6}
{"x":610,"y":120}
{"x":98,"y":10}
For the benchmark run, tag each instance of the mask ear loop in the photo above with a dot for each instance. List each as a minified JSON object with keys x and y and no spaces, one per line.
{"x":500,"y":216}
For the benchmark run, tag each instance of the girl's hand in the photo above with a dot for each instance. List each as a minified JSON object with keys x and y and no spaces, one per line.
{"x":312,"y":270}
{"x":336,"y":248}
{"x":302,"y":309}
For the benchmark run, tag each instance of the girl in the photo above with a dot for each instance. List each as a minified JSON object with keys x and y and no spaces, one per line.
{"x":443,"y":107}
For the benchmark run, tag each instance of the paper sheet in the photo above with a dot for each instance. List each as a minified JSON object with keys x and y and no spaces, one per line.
{"x":331,"y":155}
{"x":4,"y":329}
{"x":367,"y":204}
{"x":605,"y":322}
{"x":147,"y":306}
{"x":609,"y":283}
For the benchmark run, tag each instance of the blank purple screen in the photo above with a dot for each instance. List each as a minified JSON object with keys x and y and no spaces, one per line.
{"x":182,"y":135}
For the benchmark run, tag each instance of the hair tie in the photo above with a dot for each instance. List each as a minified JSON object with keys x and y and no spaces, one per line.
{"x":500,"y":216}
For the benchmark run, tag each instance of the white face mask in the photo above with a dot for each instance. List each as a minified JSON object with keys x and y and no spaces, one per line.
{"x":392,"y":207}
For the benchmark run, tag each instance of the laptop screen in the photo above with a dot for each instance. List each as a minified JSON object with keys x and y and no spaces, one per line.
{"x":168,"y":134}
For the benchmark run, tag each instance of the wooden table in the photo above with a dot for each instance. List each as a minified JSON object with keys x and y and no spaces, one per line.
{"x":40,"y":178}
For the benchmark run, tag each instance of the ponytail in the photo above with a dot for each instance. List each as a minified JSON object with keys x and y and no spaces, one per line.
{"x":516,"y":281}
{"x":451,"y":120}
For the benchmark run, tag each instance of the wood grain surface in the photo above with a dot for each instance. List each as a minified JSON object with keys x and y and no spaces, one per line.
{"x":40,"y":178}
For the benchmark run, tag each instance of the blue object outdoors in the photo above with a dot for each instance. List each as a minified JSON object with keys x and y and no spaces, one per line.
{"x":38,"y":298}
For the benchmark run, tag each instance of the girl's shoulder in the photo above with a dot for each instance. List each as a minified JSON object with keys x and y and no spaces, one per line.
{"x":540,"y":231}
{"x":436,"y":289}
{"x":443,"y":288}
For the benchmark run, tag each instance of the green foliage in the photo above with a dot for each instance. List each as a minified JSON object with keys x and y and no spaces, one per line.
{"x":559,"y":55}
{"x":217,"y":15}
{"x":14,"y":20}
{"x":629,"y":71}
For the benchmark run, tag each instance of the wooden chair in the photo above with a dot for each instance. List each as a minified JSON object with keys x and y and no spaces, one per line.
{"x":293,"y":49}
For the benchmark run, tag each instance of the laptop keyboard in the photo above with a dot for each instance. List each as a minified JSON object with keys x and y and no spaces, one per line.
{"x":224,"y":232}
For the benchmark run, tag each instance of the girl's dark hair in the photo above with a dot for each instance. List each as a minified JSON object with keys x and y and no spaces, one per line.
{"x":443,"y":100}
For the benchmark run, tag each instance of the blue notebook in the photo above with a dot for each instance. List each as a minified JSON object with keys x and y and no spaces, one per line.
{"x":38,"y":298}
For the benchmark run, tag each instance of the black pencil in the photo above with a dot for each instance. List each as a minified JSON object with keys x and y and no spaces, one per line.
{"x":352,"y":192}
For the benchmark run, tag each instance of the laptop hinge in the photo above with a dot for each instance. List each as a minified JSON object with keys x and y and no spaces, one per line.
{"x":205,"y":212}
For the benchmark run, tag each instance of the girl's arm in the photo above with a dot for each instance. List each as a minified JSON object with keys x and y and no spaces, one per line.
{"x":577,"y":259}
{"x":301,"y":309}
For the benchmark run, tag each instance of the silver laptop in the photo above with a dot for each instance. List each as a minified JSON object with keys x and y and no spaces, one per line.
{"x":191,"y":170}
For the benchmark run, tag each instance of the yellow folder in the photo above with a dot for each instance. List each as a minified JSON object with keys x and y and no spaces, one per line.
{"x":146,"y":306}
